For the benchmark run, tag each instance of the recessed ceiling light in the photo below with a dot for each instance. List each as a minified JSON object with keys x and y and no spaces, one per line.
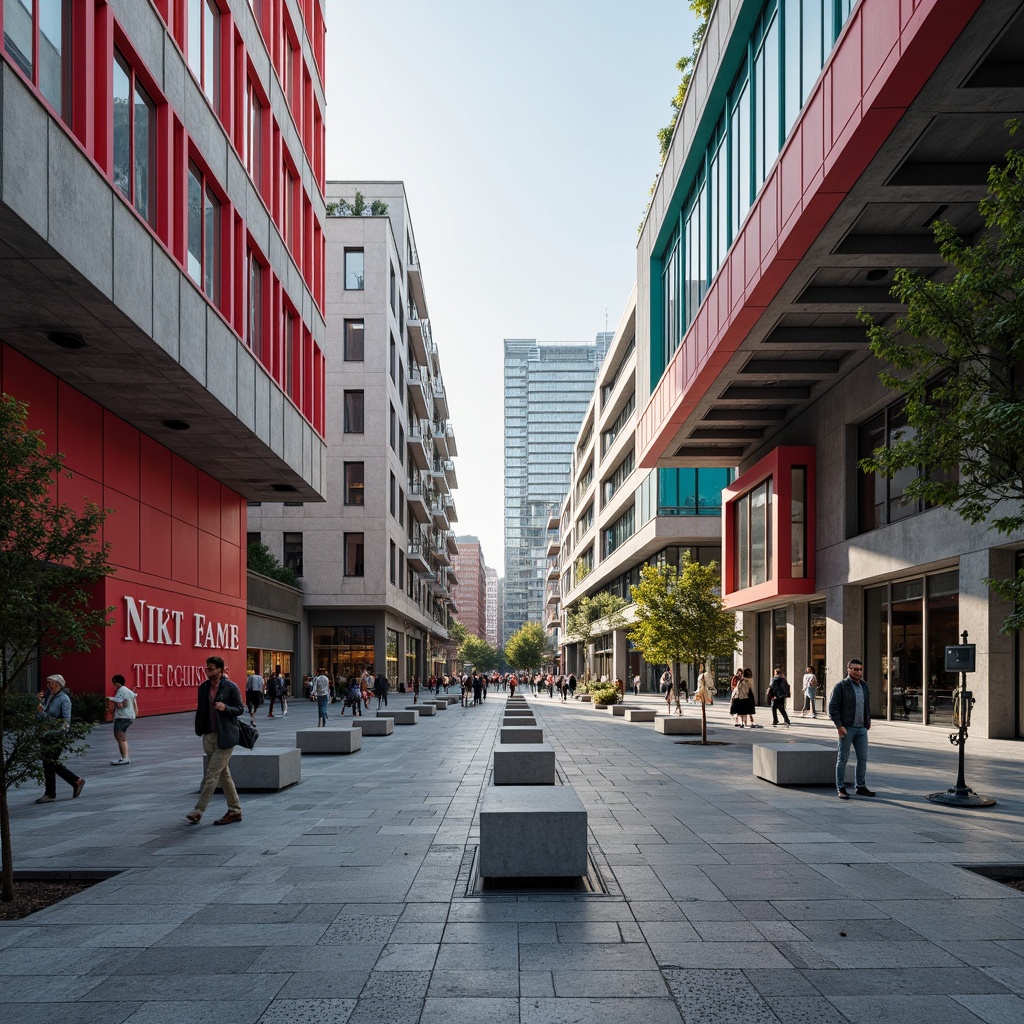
{"x":66,"y":339}
{"x":176,"y":424}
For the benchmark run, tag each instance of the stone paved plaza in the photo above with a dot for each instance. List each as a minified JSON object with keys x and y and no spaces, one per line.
{"x":349,"y":897}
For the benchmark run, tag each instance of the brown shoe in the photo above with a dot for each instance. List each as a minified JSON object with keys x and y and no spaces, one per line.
{"x":77,"y":791}
{"x":193,"y":817}
{"x":229,"y":818}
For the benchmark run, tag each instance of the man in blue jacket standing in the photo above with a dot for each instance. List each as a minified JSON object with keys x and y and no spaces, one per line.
{"x":850,"y":711}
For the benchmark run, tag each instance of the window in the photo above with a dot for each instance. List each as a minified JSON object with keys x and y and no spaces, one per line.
{"x":354,"y":270}
{"x":753,"y":536}
{"x":392,"y":489}
{"x":401,"y":568}
{"x":621,"y":530}
{"x":392,"y":437}
{"x":48,"y":24}
{"x":353,"y":412}
{"x":254,"y":317}
{"x":289,"y":323}
{"x":353,"y":341}
{"x":619,"y":477}
{"x":203,"y":42}
{"x":798,"y":522}
{"x":134,"y":138}
{"x":293,"y":552}
{"x":252,"y":126}
{"x":354,"y":483}
{"x":608,"y":436}
{"x":353,"y":554}
{"x":203,"y":234}
{"x":253,"y":537}
{"x":392,"y":360}
{"x":392,"y":562}
{"x":393,"y":292}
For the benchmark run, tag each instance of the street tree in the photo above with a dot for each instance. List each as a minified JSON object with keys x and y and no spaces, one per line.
{"x":957,"y":358}
{"x":525,"y":648}
{"x":52,"y":561}
{"x":680,"y":617}
{"x":602,"y":611}
{"x":478,"y":653}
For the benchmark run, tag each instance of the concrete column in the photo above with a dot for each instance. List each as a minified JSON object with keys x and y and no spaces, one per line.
{"x":747,"y":655}
{"x":620,"y":656}
{"x":982,"y":614}
{"x":844,"y":630}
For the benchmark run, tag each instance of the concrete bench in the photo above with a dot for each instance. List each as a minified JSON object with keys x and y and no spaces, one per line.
{"x":441,"y":705}
{"x":640,"y":715}
{"x":521,"y":734}
{"x":524,"y":764}
{"x":523,"y":722}
{"x":587,"y":698}
{"x":518,"y":712}
{"x":410,"y":716}
{"x":676,"y":725}
{"x":530,"y":831}
{"x":270,"y":768}
{"x":427,"y":708}
{"x":329,"y":741}
{"x":618,"y":710}
{"x":376,"y":726}
{"x":795,"y":764}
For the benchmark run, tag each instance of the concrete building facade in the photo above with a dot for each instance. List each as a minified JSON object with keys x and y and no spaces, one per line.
{"x":816,"y":146}
{"x":162,"y":298}
{"x":376,"y":558}
{"x":547,"y":388}
{"x":491,"y":624}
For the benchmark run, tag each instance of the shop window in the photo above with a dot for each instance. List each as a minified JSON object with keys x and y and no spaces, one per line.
{"x":354,"y":335}
{"x":293,"y":552}
{"x":353,"y":412}
{"x":134,"y":123}
{"x":203,"y":46}
{"x":353,"y":554}
{"x":354,"y":268}
{"x":204,"y":234}
{"x":37,"y":37}
{"x":354,"y":488}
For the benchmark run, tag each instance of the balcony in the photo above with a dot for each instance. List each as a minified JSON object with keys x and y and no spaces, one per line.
{"x":419,"y":453}
{"x":440,"y":397}
{"x":552,"y":573}
{"x":453,"y":547}
{"x":553,"y":522}
{"x":452,"y":578}
{"x":438,"y":512}
{"x":554,"y":621}
{"x":441,"y":551}
{"x":418,"y":391}
{"x":449,"y":473}
{"x":554,"y":547}
{"x":416,"y":499}
{"x":416,"y":557}
{"x":453,"y":448}
{"x":440,"y":437}
{"x":553,"y":597}
{"x":416,"y":333}
{"x":449,"y":504}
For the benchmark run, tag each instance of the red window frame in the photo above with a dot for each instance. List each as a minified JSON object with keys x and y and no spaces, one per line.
{"x":145,"y":82}
{"x":73,"y":42}
{"x":221,"y":299}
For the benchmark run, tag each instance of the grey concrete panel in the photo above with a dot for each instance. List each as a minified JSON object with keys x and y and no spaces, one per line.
{"x":376,"y":726}
{"x":81,"y":211}
{"x":192,"y":345}
{"x":221,"y":361}
{"x":174,"y":73}
{"x":521,"y":723}
{"x":261,"y":398}
{"x":676,"y":725}
{"x":245,"y":376}
{"x":521,"y":734}
{"x":23,"y":130}
{"x":309,"y":444}
{"x":166,"y":314}
{"x":527,"y":831}
{"x":276,"y":419}
{"x":133,"y":267}
{"x":329,"y":741}
{"x":205,"y":131}
{"x":144,"y":28}
{"x":524,"y":764}
{"x":266,"y":768}
{"x":292,"y":436}
{"x":797,"y":764}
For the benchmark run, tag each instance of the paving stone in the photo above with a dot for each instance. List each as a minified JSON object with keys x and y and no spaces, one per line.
{"x":612,"y":984}
{"x":997,"y":1009}
{"x":309,"y":1011}
{"x":935,"y":1009}
{"x":597,"y":1011}
{"x":702,"y":996}
{"x":466,"y":983}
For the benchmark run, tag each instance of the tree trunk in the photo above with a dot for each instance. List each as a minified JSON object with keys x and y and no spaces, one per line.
{"x":7,"y":882}
{"x":703,"y":722}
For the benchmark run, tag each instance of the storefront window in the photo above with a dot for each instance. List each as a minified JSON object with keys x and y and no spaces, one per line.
{"x":391,"y":657}
{"x":876,"y":650}
{"x":344,"y":650}
{"x":943,"y":610}
{"x":816,"y":650}
{"x":907,"y":661}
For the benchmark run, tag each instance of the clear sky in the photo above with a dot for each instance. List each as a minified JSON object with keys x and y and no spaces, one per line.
{"x":525,"y":132}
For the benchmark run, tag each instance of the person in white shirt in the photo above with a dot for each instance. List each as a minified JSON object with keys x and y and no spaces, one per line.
{"x":321,"y":690}
{"x":636,"y":685}
{"x":810,"y":685}
{"x":126,"y":708}
{"x":254,"y":690}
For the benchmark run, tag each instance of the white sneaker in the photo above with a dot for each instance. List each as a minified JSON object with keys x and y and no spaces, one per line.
{"x":121,"y":760}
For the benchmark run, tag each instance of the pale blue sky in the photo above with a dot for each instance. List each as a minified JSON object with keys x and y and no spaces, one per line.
{"x":525,"y":133}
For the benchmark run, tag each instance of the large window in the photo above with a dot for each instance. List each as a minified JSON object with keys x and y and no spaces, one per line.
{"x":754,"y":536}
{"x":353,"y":554}
{"x":353,"y":412}
{"x":203,"y":45}
{"x":619,"y":476}
{"x":254,"y":297}
{"x":620,"y":531}
{"x":345,"y":650}
{"x":608,"y":436}
{"x":354,"y":334}
{"x":37,"y":37}
{"x":252,"y":126}
{"x":354,"y":270}
{"x":354,"y":483}
{"x":134,"y":138}
{"x":293,"y":552}
{"x":204,"y":211}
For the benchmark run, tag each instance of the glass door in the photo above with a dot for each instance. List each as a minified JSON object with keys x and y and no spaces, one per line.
{"x":907,"y":645}
{"x":816,"y":649}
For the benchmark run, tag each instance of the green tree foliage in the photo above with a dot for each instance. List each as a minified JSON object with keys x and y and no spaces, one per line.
{"x":457,"y":631}
{"x":680,"y":617}
{"x":588,"y":614}
{"x":526,"y":647}
{"x":52,"y":562}
{"x":702,"y":8}
{"x":260,"y":559}
{"x":957,"y":356}
{"x":478,"y":653}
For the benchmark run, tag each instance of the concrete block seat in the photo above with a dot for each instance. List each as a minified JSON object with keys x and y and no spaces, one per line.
{"x":524,"y":764}
{"x":587,"y":698}
{"x":376,"y":726}
{"x":676,"y":725}
{"x":619,"y":710}
{"x":525,"y":712}
{"x":532,"y":831}
{"x":520,"y":722}
{"x":338,"y":740}
{"x":441,"y":705}
{"x":521,"y":734}
{"x":266,"y":768}
{"x":427,"y":708}
{"x":641,"y":715}
{"x":409,"y":716}
{"x":797,"y":764}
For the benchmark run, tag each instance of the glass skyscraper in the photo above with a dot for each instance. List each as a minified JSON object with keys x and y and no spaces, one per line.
{"x":548,"y":386}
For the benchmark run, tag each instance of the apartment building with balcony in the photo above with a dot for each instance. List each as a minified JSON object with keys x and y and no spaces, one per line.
{"x":817,"y":144}
{"x":618,"y":516}
{"x":376,"y":558}
{"x":162,"y":298}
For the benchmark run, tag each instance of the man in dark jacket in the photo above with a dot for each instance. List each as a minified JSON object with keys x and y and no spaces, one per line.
{"x":217,"y":712}
{"x":850,"y":711}
{"x":778,"y":691}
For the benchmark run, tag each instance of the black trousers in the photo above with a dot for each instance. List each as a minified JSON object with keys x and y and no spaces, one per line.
{"x":52,"y":767}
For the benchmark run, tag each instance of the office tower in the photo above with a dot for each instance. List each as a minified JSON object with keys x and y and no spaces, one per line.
{"x":491,"y":628}
{"x":547,"y":390}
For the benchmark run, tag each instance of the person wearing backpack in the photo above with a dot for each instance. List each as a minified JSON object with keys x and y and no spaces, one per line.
{"x":779,"y":691}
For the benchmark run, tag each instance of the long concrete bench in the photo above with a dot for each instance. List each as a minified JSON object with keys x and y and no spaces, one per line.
{"x":376,"y":726}
{"x":329,"y":741}
{"x":795,"y":764}
{"x":587,"y":698}
{"x":518,"y":712}
{"x":530,"y":831}
{"x":641,"y":715}
{"x":522,"y":722}
{"x":618,"y":710}
{"x":269,"y":768}
{"x":521,"y":734}
{"x":676,"y":725}
{"x":410,"y":716}
{"x":524,"y":764}
{"x":428,"y":708}
{"x":441,"y":705}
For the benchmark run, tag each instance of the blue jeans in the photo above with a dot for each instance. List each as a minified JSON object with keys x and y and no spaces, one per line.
{"x":321,"y":707}
{"x":857,"y":737}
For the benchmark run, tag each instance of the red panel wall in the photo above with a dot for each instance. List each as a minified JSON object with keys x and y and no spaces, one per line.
{"x":176,"y":538}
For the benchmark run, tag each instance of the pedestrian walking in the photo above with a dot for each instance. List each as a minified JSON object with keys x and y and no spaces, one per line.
{"x":810,"y":687}
{"x":355,"y":699}
{"x":321,"y":692}
{"x":126,"y":710}
{"x":54,"y":712}
{"x":741,"y":707}
{"x":218,"y":708}
{"x":254,"y":689}
{"x":636,"y":685}
{"x":849,"y":707}
{"x":666,"y":687}
{"x":778,"y":693}
{"x":381,"y":685}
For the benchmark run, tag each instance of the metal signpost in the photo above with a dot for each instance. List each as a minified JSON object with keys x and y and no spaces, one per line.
{"x":960,"y":658}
